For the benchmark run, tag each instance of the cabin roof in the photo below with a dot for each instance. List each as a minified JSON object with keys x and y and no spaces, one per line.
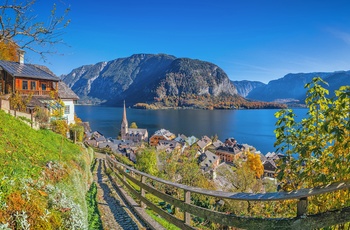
{"x":64,"y":92}
{"x":27,"y":70}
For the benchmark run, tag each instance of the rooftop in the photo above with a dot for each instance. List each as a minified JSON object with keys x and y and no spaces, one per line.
{"x":27,"y":70}
{"x":64,"y":92}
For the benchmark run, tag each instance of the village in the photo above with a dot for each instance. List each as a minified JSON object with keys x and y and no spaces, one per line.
{"x":211,"y":152}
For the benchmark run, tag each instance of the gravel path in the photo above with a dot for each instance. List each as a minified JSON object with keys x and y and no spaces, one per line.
{"x":114,"y":212}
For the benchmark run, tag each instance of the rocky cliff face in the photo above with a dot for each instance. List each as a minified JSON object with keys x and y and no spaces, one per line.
{"x":187,"y":76}
{"x":290,"y":88}
{"x":245,"y":87}
{"x":144,"y":77}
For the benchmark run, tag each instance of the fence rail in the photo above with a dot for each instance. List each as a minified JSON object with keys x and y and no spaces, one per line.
{"x":301,"y":221}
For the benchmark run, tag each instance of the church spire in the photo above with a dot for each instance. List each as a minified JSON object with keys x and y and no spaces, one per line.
{"x":124,"y":114}
{"x":124,"y":125}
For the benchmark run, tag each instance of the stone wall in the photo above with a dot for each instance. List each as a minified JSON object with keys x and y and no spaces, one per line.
{"x":4,"y":105}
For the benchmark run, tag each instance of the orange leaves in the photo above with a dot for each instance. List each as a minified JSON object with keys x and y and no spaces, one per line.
{"x":42,"y":193}
{"x":15,"y":201}
{"x":8,"y":51}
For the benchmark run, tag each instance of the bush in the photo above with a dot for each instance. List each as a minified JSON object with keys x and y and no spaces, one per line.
{"x":77,"y":133}
{"x":41,"y":115}
{"x":60,"y":127}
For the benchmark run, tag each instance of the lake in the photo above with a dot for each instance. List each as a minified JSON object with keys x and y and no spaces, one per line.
{"x":253,"y":127}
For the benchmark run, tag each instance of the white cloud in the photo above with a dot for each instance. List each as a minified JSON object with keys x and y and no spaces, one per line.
{"x":344,"y":36}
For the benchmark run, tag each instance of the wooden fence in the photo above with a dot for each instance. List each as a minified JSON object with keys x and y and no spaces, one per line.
{"x":300,"y":221}
{"x":29,"y":118}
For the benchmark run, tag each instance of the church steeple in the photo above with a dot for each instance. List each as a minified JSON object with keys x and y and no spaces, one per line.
{"x":124,"y":125}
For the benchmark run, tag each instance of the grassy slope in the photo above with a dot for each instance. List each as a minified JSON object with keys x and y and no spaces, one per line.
{"x":43,"y":178}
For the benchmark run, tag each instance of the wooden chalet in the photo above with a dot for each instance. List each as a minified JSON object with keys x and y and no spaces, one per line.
{"x":27,"y":79}
{"x":160,"y":135}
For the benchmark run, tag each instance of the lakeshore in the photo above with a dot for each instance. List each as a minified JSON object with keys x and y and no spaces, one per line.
{"x":253,"y":127}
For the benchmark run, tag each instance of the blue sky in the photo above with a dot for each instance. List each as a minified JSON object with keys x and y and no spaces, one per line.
{"x":250,"y":40}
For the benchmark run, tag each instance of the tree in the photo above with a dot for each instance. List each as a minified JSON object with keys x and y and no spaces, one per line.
{"x":321,"y":142}
{"x":57,"y":108}
{"x":8,"y":51}
{"x":255,"y":164}
{"x":77,"y":120}
{"x":76,"y":132}
{"x":215,"y":138}
{"x":19,"y":102}
{"x":60,"y":127}
{"x":133,"y":125}
{"x":19,"y":24}
{"x":243,"y":179}
{"x":146,"y":161}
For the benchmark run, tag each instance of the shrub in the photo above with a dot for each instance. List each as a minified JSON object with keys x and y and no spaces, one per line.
{"x":41,"y":115}
{"x":60,"y":127}
{"x":77,"y":133}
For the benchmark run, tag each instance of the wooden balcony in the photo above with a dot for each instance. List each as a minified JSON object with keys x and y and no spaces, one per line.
{"x":38,"y":92}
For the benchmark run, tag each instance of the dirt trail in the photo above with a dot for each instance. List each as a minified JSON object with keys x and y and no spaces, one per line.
{"x":115,"y":214}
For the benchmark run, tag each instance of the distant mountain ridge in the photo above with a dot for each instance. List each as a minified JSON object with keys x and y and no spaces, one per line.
{"x":290,"y":88}
{"x":163,"y":80}
{"x":146,"y":77}
{"x":245,"y":87}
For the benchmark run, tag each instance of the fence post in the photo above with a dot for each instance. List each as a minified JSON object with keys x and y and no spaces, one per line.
{"x":31,"y":119}
{"x":143,"y":193}
{"x":302,"y":206}
{"x":187,"y":195}
{"x":124,"y":170}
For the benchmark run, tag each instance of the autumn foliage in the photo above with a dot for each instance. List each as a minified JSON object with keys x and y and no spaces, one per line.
{"x":321,"y":142}
{"x":8,"y":51}
{"x":207,"y":101}
{"x":255,"y":164}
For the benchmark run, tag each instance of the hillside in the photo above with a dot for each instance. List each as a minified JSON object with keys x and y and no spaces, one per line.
{"x":155,"y":81}
{"x":44,"y":178}
{"x":245,"y":87}
{"x":290,"y":88}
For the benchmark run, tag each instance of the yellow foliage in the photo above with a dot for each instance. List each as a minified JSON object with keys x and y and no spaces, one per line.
{"x":59,"y":111}
{"x":19,"y":102}
{"x":8,"y":51}
{"x":255,"y":164}
{"x":60,"y":127}
{"x":42,"y":193}
{"x":77,"y":120}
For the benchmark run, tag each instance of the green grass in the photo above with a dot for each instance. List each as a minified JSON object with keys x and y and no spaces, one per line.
{"x":161,"y":221}
{"x":24,"y":152}
{"x":93,"y":213}
{"x":43,"y":175}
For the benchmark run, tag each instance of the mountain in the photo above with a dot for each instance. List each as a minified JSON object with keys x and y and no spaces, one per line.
{"x":107,"y":81}
{"x":290,"y":88}
{"x":245,"y":87}
{"x":146,"y":77}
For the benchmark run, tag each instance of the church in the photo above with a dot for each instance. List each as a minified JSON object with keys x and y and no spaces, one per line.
{"x":135,"y":135}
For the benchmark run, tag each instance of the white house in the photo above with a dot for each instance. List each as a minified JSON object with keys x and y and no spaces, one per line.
{"x":69,"y":99}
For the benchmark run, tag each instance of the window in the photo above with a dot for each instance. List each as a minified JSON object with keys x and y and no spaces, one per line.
{"x":24,"y":84}
{"x":67,"y":109}
{"x":33,"y":85}
{"x":43,"y":86}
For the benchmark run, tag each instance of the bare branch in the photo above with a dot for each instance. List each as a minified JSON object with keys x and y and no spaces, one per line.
{"x":18,"y":24}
